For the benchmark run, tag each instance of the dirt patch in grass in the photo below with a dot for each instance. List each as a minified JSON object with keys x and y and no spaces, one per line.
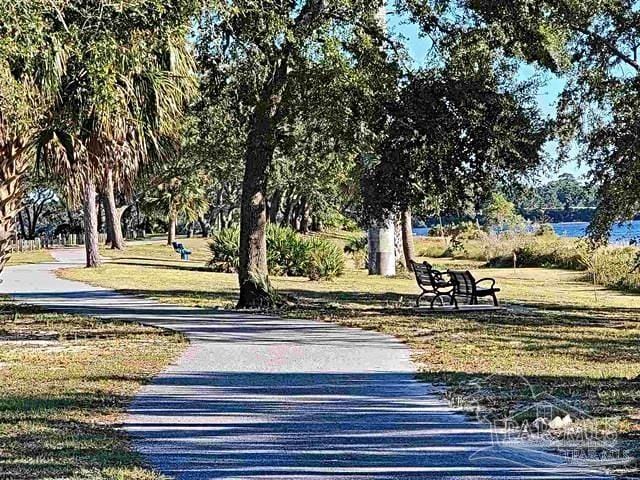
{"x":66,"y":382}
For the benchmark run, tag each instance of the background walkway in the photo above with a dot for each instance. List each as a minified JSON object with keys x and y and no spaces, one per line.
{"x":257,"y":397}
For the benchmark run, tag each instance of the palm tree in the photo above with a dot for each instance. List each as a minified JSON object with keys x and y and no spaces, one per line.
{"x":178,"y":191}
{"x":120,"y":97}
{"x":32,"y":62}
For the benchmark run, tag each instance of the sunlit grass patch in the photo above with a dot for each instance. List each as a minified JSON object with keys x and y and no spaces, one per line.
{"x":30,"y":257}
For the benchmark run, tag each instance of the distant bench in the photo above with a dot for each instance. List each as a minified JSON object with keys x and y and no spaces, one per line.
{"x":461,"y":284}
{"x":180,"y":248}
{"x":465,"y":286}
{"x":431,"y":282}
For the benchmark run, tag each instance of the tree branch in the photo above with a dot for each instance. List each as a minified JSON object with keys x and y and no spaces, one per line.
{"x":608,"y":45}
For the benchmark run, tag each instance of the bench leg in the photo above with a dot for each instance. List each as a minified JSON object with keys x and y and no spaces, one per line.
{"x":454,"y":302}
{"x":420,"y":298}
{"x":495,"y":300}
{"x":440,"y":296}
{"x":433,"y":300}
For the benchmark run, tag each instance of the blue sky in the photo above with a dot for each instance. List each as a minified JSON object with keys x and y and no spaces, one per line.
{"x":547,"y":97}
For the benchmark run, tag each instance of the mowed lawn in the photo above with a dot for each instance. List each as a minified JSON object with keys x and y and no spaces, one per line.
{"x":29,"y":257}
{"x":66,"y":381}
{"x":564,"y":336}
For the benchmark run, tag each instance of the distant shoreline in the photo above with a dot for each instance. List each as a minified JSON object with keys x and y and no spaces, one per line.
{"x":620,"y":233}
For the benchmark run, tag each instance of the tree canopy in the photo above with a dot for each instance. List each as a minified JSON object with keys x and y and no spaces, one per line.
{"x":456,"y":130}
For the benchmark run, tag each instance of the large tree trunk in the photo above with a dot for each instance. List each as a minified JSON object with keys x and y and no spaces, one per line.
{"x":171,"y":236}
{"x":407,"y":238}
{"x":91,"y":224}
{"x":253,"y":273}
{"x":11,"y":171}
{"x":112,"y":214}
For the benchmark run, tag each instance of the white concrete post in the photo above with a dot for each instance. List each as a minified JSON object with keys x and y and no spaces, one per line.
{"x":382,"y":249}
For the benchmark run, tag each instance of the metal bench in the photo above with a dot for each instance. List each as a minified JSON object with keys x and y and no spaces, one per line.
{"x":431,"y":282}
{"x":465,"y":286}
{"x":179,"y":248}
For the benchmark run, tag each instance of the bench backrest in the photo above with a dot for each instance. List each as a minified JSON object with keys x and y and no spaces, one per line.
{"x":422,"y":272}
{"x":464,"y":282}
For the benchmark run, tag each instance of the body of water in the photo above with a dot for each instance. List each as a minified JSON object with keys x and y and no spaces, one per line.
{"x":620,"y":233}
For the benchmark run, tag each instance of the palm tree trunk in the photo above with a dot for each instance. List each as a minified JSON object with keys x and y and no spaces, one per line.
{"x":11,"y":170}
{"x":91,"y":225}
{"x":407,"y":238}
{"x":107,"y":221}
{"x":112,"y":213}
{"x":171,"y":237}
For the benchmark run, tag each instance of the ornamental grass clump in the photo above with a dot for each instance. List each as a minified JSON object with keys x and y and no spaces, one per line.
{"x":325,"y":260}
{"x":225,"y":248}
{"x":288,"y":254}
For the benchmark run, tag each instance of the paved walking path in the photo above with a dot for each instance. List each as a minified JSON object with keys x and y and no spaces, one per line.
{"x":258,"y":397}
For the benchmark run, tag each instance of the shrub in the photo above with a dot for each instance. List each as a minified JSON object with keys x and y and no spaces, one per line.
{"x":617,"y":268}
{"x":547,"y":251}
{"x":544,"y":230}
{"x":358,"y":248}
{"x":325,"y":260}
{"x":288,"y":253}
{"x":430,"y":247}
{"x":225,"y":248}
{"x":463,"y":230}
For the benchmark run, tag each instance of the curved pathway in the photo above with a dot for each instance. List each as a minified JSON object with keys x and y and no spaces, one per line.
{"x":259,"y":397}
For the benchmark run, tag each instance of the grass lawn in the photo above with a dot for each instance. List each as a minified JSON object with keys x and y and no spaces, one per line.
{"x":566,"y":337}
{"x":66,"y":381}
{"x":34,"y":256}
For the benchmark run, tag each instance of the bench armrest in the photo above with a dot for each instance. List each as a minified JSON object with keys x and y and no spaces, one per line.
{"x":492,"y":280}
{"x":439,"y":276}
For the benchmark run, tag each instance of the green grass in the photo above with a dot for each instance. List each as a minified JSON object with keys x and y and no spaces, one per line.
{"x":567,"y":337}
{"x":30,"y":257}
{"x":66,"y":381}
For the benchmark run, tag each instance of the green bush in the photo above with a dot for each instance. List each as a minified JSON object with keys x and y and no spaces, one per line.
{"x":358,"y":248}
{"x":288,"y":253}
{"x":225,"y":248}
{"x":544,"y":230}
{"x":617,"y":268}
{"x":463,"y":230}
{"x":325,"y":260}
{"x":549,"y":251}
